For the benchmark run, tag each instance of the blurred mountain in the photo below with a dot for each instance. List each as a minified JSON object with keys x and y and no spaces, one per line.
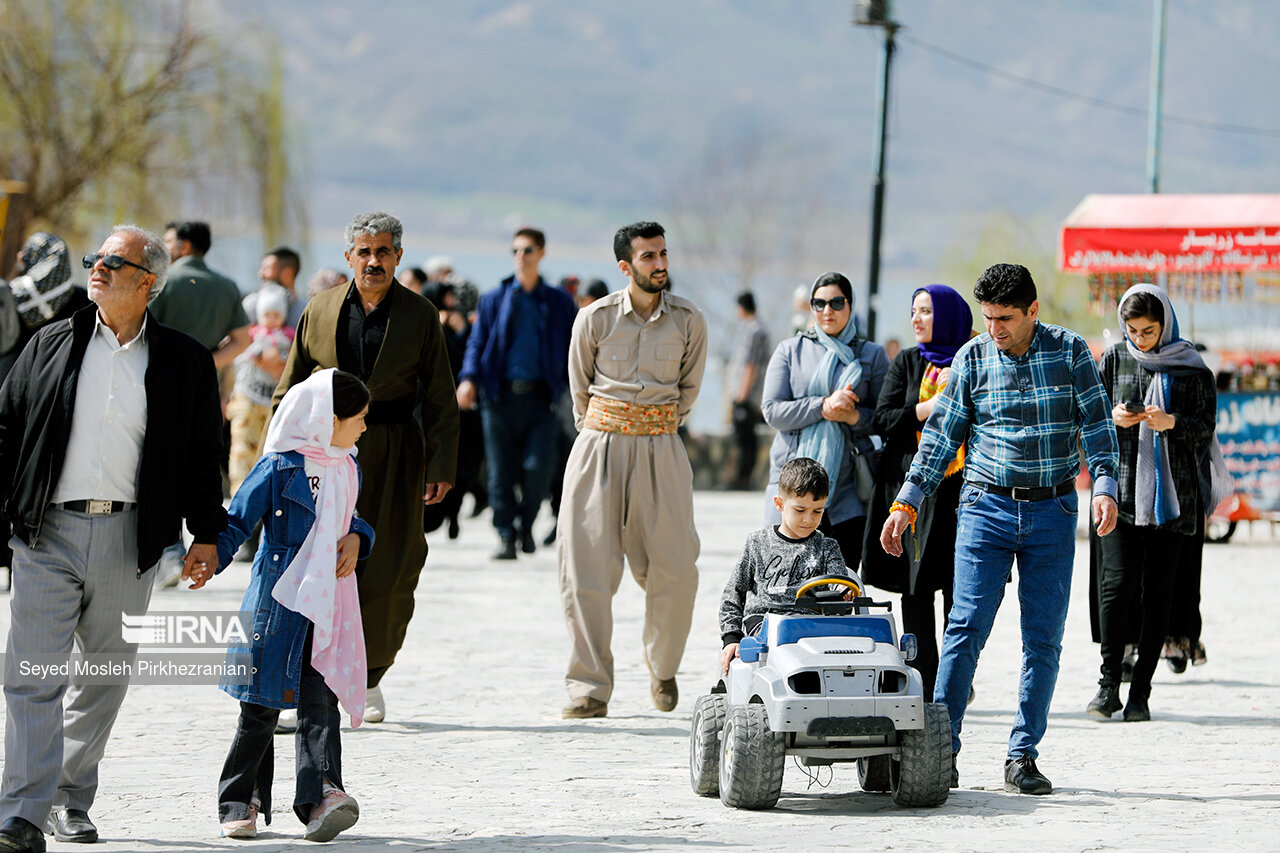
{"x":468,"y":118}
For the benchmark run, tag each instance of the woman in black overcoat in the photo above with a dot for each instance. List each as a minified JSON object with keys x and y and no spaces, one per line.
{"x":942,"y":323}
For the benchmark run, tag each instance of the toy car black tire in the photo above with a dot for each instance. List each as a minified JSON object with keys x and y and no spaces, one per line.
{"x":921,"y":775}
{"x":752,"y":758}
{"x":704,"y":744}
{"x":873,"y":773}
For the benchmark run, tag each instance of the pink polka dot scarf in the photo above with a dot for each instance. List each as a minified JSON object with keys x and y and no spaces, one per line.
{"x":310,"y":585}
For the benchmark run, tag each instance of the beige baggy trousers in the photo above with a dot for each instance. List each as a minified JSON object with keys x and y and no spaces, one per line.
{"x":632,"y":496}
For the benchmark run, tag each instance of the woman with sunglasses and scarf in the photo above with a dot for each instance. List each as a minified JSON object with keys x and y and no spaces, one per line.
{"x":942,"y":323}
{"x":1164,"y":405}
{"x":820,"y":394}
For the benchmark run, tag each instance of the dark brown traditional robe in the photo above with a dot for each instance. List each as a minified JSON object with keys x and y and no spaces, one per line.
{"x":397,"y":456}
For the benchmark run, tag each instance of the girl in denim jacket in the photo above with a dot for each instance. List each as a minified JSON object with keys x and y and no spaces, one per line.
{"x":308,"y":644}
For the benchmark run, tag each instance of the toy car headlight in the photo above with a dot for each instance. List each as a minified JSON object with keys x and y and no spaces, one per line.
{"x":909,"y":647}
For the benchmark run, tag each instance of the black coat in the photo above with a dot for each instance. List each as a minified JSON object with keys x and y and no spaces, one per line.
{"x":896,"y":423}
{"x":178,"y":474}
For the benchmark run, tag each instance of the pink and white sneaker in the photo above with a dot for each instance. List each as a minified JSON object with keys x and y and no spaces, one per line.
{"x":247,"y":828}
{"x":336,"y":812}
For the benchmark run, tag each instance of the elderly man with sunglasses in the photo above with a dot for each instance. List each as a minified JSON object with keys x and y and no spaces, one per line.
{"x":109,"y":437}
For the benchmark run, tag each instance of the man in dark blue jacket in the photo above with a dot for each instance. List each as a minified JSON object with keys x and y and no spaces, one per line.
{"x":517,"y":366}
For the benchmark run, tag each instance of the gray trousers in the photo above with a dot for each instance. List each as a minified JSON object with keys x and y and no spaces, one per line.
{"x":626,"y":496}
{"x":72,"y":586}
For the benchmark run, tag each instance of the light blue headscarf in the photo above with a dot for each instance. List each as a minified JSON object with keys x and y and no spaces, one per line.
{"x":840,"y":368}
{"x":1155,"y":499}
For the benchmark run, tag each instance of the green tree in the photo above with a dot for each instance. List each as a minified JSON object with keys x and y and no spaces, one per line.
{"x":133,"y":110}
{"x":1003,"y":237}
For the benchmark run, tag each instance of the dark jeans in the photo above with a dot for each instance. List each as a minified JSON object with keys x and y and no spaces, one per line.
{"x":1137,"y":562}
{"x":520,"y":446}
{"x":250,"y":763}
{"x":918,"y":618}
{"x":745,"y":418}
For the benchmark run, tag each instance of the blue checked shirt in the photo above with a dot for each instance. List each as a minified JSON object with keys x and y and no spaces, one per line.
{"x":1024,"y":419}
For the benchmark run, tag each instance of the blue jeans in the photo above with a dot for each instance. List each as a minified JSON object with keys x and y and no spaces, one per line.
{"x":991,"y":530}
{"x":520,"y":447}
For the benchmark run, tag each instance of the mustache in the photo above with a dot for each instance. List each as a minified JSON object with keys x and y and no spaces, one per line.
{"x":373,"y":268}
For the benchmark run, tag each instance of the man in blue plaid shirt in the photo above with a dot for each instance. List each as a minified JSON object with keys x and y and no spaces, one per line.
{"x":1022,"y":399}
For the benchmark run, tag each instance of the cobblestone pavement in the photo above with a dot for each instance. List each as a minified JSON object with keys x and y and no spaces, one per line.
{"x":474,"y":755}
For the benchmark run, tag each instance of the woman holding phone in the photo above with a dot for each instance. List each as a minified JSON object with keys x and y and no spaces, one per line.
{"x":1164,"y":407}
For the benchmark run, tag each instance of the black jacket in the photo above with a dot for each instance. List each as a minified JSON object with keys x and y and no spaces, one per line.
{"x":896,"y":423}
{"x":178,"y":476}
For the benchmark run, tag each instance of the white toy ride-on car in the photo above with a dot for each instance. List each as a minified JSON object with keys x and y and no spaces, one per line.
{"x":826,"y":681}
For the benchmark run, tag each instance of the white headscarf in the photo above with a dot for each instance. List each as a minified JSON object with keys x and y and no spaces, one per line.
{"x":310,"y":585}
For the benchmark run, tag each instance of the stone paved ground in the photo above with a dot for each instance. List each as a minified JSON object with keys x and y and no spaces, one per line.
{"x":476,"y":758}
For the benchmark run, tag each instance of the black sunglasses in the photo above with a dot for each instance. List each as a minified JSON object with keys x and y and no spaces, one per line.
{"x":527,"y":250}
{"x":836,"y":304}
{"x":111,"y":262}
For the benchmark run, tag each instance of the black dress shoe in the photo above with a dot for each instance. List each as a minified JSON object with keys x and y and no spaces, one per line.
{"x":72,"y":825}
{"x":955,"y":770}
{"x":1022,"y":777}
{"x":526,"y":542}
{"x":507,"y":551}
{"x":550,"y":538}
{"x":21,"y":836}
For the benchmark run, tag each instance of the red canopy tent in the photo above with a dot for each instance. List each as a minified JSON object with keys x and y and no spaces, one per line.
{"x":1171,"y":234}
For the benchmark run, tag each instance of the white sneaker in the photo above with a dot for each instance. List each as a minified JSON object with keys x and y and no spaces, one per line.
{"x":375,"y":710}
{"x":287,"y":722}
{"x":336,"y":812}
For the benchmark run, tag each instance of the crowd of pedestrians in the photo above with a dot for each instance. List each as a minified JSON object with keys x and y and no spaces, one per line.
{"x":934,"y":470}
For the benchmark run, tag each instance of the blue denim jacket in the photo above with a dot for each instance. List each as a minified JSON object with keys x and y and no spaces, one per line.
{"x":277,"y":493}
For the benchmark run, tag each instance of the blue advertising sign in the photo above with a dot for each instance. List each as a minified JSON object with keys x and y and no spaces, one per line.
{"x":1249,"y":432}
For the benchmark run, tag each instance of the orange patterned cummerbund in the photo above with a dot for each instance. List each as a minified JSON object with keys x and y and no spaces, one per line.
{"x":608,"y":415}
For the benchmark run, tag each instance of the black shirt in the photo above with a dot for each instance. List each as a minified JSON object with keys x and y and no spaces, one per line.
{"x":359,"y":334}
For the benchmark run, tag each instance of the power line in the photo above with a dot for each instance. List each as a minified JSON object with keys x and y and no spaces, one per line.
{"x":1086,"y":99}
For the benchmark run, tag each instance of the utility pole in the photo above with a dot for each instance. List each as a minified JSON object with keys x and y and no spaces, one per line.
{"x":1156,"y":97}
{"x":877,"y":13}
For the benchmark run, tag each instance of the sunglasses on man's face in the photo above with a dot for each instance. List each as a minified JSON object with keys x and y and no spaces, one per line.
{"x":525,"y":250}
{"x":837,"y":304}
{"x":111,"y":262}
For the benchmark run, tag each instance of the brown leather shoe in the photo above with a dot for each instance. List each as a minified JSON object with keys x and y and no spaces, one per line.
{"x":664,"y":693}
{"x":584,"y":708}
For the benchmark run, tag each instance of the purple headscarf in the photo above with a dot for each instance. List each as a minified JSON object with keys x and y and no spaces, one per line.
{"x":952,"y":324}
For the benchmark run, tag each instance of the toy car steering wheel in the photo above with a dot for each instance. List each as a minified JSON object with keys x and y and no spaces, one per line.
{"x":810,"y":590}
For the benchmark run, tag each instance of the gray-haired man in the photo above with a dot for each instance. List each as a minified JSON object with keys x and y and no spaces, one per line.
{"x":109,"y":437}
{"x":405,"y":465}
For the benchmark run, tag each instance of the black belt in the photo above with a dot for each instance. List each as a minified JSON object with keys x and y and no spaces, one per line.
{"x":1031,"y":493}
{"x":390,"y":411}
{"x":524,"y":386}
{"x":95,"y":507}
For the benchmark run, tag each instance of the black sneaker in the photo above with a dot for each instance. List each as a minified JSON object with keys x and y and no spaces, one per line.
{"x":955,"y":770}
{"x":1106,"y":702}
{"x":1022,"y":777}
{"x":526,"y":542}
